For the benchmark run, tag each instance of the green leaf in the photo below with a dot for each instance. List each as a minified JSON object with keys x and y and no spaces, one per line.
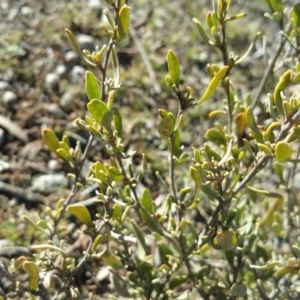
{"x":227,"y":155}
{"x":112,"y":261}
{"x":201,"y":30}
{"x":268,"y":194}
{"x":177,"y":281}
{"x":264,"y":148}
{"x":65,"y":155}
{"x":151,"y":222}
{"x":296,"y":251}
{"x":283,"y":83}
{"x":283,"y":152}
{"x":115,"y":174}
{"x":295,"y":16}
{"x":118,"y":123}
{"x":117,"y":213}
{"x":196,"y":176}
{"x":277,"y":5}
{"x":215,"y":135}
{"x":76,"y":47}
{"x":146,"y":200}
{"x":92,"y":86}
{"x":50,"y":139}
{"x":32,"y":270}
{"x":140,"y":240}
{"x":174,"y":67}
{"x":238,"y":290}
{"x":124,"y":22}
{"x":213,"y":84}
{"x":243,"y":57}
{"x":241,"y":123}
{"x":82,"y":213}
{"x":252,"y":124}
{"x":100,"y":113}
{"x":166,"y":127}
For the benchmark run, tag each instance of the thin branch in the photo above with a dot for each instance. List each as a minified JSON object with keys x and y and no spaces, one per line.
{"x":145,"y":59}
{"x":268,"y":71}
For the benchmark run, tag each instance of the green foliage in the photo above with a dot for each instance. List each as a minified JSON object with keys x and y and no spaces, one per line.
{"x":162,"y":252}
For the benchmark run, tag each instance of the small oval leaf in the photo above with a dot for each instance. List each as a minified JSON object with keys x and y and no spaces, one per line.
{"x":174,"y":67}
{"x":166,"y":127}
{"x":92,"y":86}
{"x":82,"y":213}
{"x":100,"y":113}
{"x":283,"y":152}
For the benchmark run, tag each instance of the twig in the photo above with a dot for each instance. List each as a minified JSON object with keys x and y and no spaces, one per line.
{"x":145,"y":59}
{"x":21,"y":193}
{"x":268,"y":71}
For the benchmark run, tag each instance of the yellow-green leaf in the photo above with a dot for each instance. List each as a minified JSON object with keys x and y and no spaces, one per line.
{"x":166,"y":127}
{"x":201,"y":30}
{"x":213,"y":84}
{"x":174,"y":67}
{"x":82,"y":213}
{"x":100,"y":113}
{"x":124,"y":22}
{"x":50,"y":139}
{"x":112,"y":261}
{"x":283,"y":152}
{"x":32,"y":270}
{"x":92,"y":86}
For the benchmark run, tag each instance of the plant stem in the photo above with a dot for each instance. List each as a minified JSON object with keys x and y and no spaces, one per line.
{"x":268,"y":71}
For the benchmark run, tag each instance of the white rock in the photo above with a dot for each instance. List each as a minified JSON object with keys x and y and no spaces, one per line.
{"x":51,"y":81}
{"x":66,"y":101}
{"x":9,"y":98}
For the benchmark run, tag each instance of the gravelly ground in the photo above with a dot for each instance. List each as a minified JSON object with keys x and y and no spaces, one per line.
{"x":41,"y":84}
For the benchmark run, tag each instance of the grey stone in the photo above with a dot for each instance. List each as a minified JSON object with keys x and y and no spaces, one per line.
{"x":86,"y":42}
{"x":71,"y":57}
{"x":49,"y":183}
{"x":66,"y":101}
{"x":60,"y":70}
{"x":77,"y":74}
{"x":9,"y":98}
{"x":51,"y":81}
{"x":4,"y":85}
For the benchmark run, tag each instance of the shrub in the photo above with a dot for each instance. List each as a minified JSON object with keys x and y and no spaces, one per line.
{"x":223,"y":222}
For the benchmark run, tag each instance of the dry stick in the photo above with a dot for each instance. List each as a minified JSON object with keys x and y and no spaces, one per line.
{"x":146,"y":60}
{"x":21,"y":193}
{"x":268,"y":71}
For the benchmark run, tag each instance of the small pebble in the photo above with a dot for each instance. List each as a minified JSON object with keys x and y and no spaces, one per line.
{"x":26,"y":11}
{"x":71,"y":57}
{"x":60,"y":70}
{"x":9,"y":98}
{"x":77,"y":74}
{"x":53,"y":165}
{"x":94,"y":3}
{"x":4,"y":85}
{"x":55,"y":110}
{"x":51,"y":81}
{"x":50,"y":183}
{"x":8,"y":75}
{"x":66,"y":101}
{"x":86,"y":42}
